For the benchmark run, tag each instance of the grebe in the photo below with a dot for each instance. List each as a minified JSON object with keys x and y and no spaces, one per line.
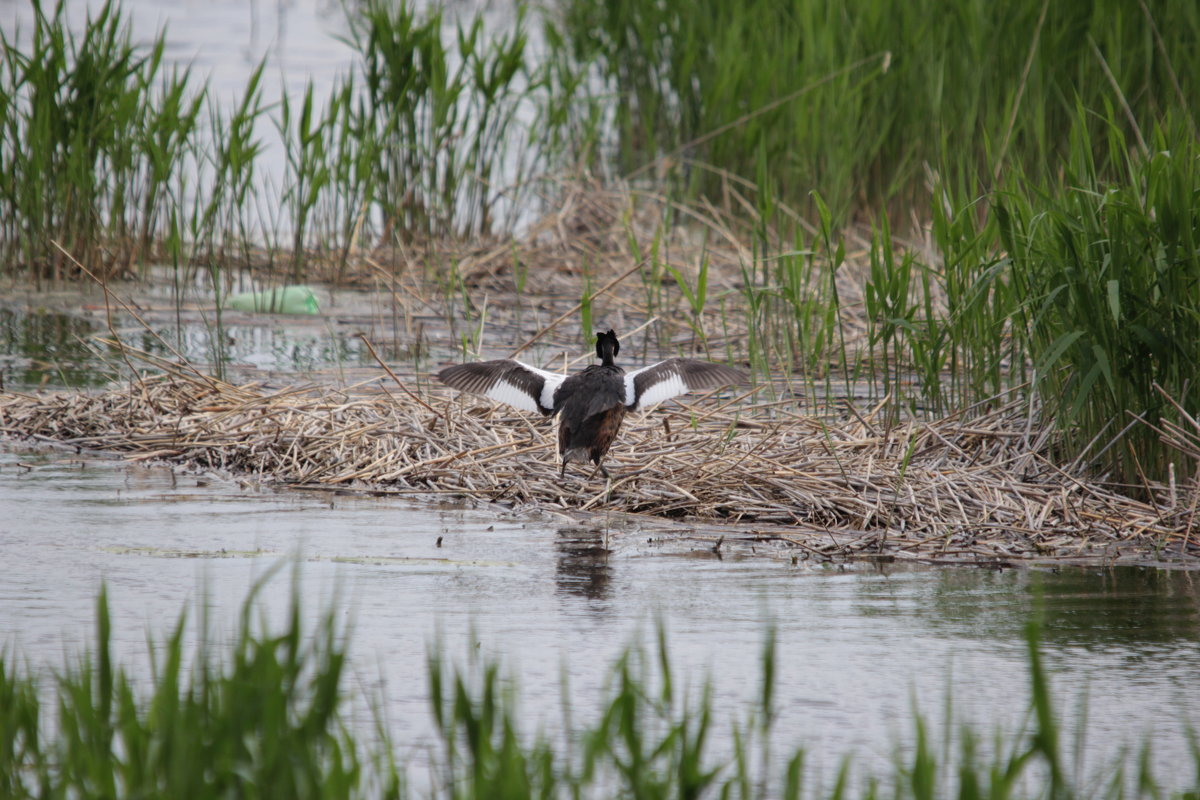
{"x":591,"y":403}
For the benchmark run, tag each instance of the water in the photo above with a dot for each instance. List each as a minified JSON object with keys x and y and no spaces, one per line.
{"x":53,"y":349}
{"x":54,"y":339}
{"x":224,"y":40}
{"x":857,"y":648}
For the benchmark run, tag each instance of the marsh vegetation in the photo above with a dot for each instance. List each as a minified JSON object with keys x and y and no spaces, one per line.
{"x":944,"y":208}
{"x":264,"y":711}
{"x":958,"y":246}
{"x":928,"y":215}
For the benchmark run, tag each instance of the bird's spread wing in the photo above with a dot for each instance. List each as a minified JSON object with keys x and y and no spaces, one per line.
{"x":675,"y":376}
{"x":506,"y":381}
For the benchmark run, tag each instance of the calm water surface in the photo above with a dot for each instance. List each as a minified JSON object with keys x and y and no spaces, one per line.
{"x":858,"y":649}
{"x":224,"y":40}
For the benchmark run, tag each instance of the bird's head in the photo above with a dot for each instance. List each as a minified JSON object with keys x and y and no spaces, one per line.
{"x":607,"y":346}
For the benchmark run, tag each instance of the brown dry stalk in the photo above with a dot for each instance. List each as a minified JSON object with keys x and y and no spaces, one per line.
{"x":797,"y":481}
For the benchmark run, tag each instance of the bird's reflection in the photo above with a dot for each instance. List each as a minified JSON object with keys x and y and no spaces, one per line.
{"x":582,"y":569}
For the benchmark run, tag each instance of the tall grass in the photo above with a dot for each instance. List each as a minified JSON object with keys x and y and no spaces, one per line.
{"x":1081,"y":293}
{"x":1110,"y":270}
{"x":105,"y":152}
{"x":307,"y":135}
{"x":794,"y":311}
{"x":858,"y":99}
{"x":973,"y":339}
{"x":257,"y":719}
{"x":443,"y":103}
{"x":1078,"y":292}
{"x":873,"y":105}
{"x":263,"y":716}
{"x":93,"y":135}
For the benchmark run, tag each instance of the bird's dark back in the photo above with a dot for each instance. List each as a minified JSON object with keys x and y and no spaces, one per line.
{"x":591,"y":391}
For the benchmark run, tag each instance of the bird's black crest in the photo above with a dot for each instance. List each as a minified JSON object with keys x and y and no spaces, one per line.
{"x":608,"y":338}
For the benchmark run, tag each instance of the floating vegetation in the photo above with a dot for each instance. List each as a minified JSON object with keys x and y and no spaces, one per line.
{"x":1052,"y":306}
{"x":970,"y":488}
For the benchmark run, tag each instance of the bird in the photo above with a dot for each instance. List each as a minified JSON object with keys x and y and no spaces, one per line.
{"x":592,"y":403}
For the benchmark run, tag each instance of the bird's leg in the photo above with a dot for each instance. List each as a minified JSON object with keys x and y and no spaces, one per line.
{"x":602,"y":469}
{"x":562,"y":473}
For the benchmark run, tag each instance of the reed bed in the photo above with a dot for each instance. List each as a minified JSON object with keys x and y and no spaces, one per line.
{"x":1045,"y":161}
{"x":873,"y":104}
{"x":976,"y":488}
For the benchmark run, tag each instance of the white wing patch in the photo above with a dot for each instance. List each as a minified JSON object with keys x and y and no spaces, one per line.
{"x":506,"y":381}
{"x":504,"y":392}
{"x":552,"y":381}
{"x":669,"y":384}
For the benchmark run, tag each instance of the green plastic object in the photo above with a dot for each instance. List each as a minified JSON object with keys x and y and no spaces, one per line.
{"x":285,"y":300}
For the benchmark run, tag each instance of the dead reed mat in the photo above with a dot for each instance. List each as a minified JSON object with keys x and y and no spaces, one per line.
{"x":760,"y":475}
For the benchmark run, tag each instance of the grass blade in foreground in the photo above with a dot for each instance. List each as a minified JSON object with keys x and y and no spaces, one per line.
{"x":262,"y":718}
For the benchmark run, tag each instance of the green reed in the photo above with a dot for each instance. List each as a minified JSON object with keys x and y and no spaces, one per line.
{"x":890,"y":309}
{"x":167,"y":143}
{"x":440,"y":112}
{"x":968,"y":354}
{"x":105,"y":152}
{"x":261,"y":719}
{"x":1111,"y":273}
{"x":1083,"y":292}
{"x":872,"y":105}
{"x":91,"y":132}
{"x":794,"y":308}
{"x":586,"y":321}
{"x":858,"y":100}
{"x":696,"y":295}
{"x":307,"y":138}
{"x":263,"y":714}
{"x":939,"y":334}
{"x":331,"y":182}
{"x":345,"y":205}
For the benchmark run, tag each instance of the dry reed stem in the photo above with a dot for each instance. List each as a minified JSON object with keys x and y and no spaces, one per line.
{"x":596,"y":231}
{"x":806,"y":488}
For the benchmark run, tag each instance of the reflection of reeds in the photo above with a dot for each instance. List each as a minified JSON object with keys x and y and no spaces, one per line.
{"x":961,"y":489}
